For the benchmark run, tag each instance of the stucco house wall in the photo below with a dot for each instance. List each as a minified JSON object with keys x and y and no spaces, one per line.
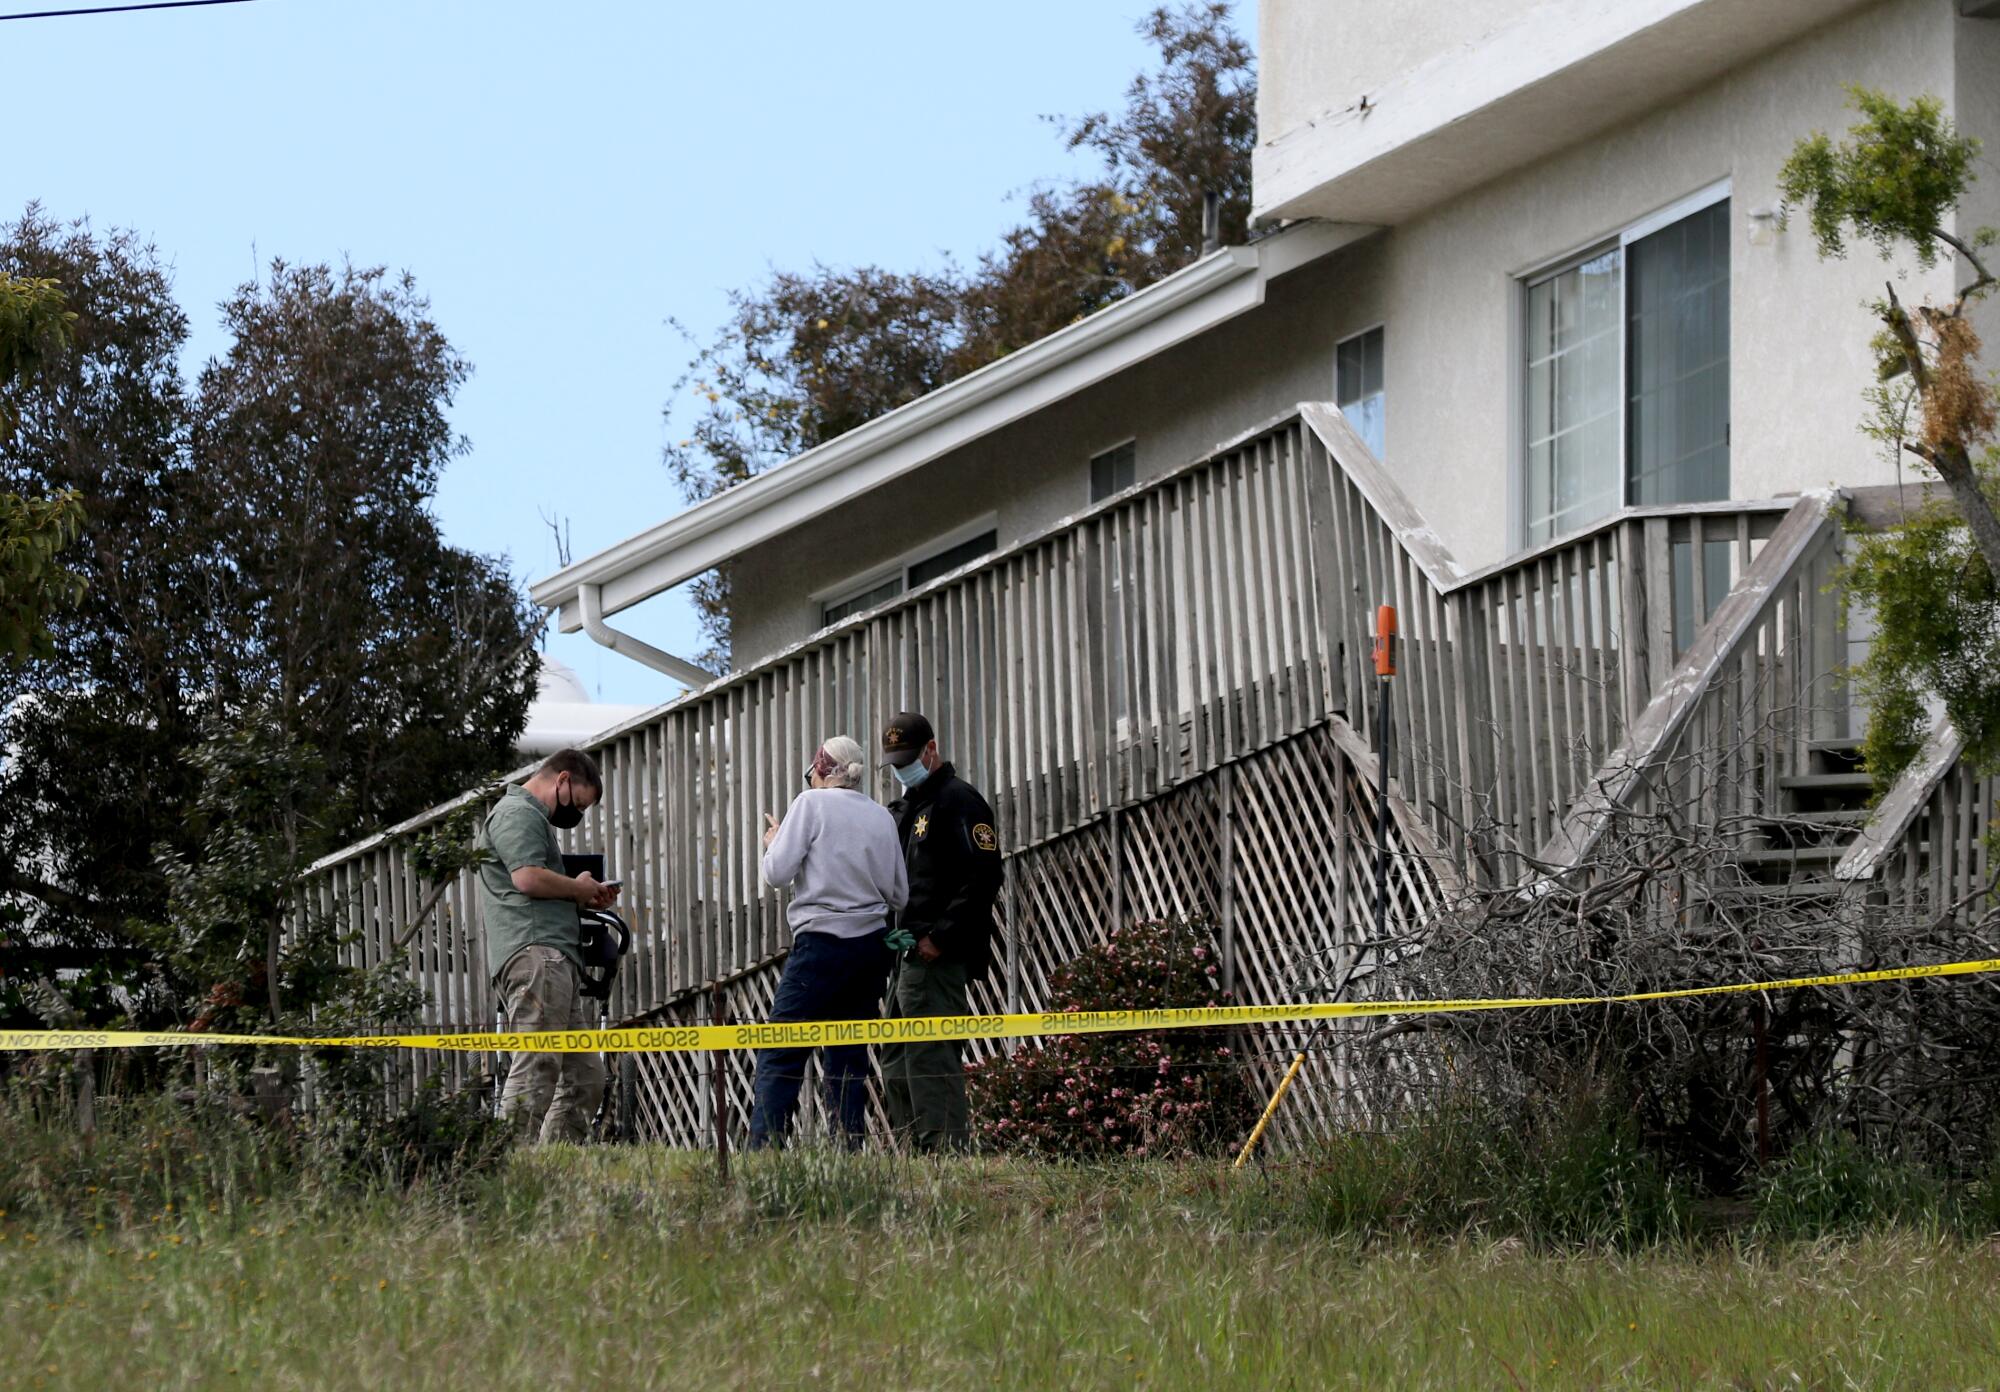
{"x":1317,"y":56}
{"x":1799,"y":330}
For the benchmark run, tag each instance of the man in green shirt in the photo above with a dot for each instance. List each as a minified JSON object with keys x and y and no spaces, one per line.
{"x":532,"y":941}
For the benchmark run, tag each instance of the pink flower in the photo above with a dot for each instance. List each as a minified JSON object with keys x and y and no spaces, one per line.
{"x":1072,"y":1111}
{"x":1200,"y":952}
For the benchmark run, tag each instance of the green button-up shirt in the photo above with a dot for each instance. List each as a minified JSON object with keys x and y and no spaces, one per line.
{"x":517,"y":833}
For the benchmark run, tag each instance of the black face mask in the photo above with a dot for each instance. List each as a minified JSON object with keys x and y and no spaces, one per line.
{"x":565,"y":814}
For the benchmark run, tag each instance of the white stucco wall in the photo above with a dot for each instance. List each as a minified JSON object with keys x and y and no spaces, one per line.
{"x":1799,"y":331}
{"x":1314,"y":55}
{"x":1976,"y":102}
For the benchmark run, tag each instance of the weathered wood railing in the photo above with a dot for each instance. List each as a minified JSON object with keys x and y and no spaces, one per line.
{"x":1744,"y":702}
{"x":1519,"y":681}
{"x":1145,"y":643}
{"x":1926,"y":841}
{"x":1148,"y":646}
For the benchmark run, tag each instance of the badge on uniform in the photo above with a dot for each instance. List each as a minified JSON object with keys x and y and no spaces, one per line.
{"x":923,"y":825}
{"x":983,"y":837}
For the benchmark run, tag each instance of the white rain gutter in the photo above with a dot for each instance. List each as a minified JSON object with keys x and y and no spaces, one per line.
{"x":590,"y":601}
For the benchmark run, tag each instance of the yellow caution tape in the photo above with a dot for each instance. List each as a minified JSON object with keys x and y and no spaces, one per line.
{"x":685,"y":1039}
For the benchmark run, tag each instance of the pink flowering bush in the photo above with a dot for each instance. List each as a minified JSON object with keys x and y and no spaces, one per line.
{"x":1159,"y":1093}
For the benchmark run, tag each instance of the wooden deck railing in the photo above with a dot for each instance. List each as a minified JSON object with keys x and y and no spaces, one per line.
{"x":1519,"y":681}
{"x":1926,"y":841}
{"x":1172,"y":632}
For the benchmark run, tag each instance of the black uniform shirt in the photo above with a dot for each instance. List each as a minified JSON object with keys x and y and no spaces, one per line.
{"x":953,"y":853}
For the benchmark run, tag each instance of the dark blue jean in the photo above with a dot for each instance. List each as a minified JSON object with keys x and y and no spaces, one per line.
{"x":826,"y":978}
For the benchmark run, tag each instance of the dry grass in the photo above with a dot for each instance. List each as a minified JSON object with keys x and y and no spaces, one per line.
{"x":631,"y":1268}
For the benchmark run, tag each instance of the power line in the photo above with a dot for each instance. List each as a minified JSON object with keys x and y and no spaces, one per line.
{"x":121,"y":9}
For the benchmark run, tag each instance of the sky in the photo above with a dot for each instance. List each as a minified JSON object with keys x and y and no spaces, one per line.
{"x":561,"y":179}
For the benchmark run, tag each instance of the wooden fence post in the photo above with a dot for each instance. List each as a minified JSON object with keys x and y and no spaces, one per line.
{"x":1117,"y":868}
{"x":1013,"y":942}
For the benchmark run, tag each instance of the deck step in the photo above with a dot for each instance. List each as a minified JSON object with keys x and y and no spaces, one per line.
{"x":1827,"y":782}
{"x":1793,"y":855}
{"x":1834,"y":756}
{"x":1751,"y":895}
{"x":1831,"y":817}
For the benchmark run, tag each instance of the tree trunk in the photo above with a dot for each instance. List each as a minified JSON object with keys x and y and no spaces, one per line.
{"x":1955,"y":468}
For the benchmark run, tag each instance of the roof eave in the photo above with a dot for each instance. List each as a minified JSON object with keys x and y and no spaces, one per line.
{"x":1225,"y":283}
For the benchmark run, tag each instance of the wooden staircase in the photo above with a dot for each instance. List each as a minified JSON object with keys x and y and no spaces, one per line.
{"x":1793,"y":851}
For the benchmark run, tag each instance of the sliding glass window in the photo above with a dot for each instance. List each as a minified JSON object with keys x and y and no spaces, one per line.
{"x":1626,"y":370}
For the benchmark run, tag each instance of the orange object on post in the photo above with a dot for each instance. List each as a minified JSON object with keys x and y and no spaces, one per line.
{"x":1385,"y":641}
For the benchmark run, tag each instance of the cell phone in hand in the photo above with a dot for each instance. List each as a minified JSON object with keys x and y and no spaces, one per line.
{"x":613,"y":884}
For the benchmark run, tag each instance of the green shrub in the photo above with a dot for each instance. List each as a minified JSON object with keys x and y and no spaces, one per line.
{"x":1162,"y":1094}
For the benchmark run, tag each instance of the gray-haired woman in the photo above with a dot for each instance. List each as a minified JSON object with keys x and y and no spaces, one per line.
{"x":838,"y":852}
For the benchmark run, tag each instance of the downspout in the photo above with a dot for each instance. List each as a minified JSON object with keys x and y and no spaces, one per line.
{"x":589,"y":603}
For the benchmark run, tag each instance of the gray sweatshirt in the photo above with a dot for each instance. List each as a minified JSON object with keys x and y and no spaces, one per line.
{"x":838,"y":852}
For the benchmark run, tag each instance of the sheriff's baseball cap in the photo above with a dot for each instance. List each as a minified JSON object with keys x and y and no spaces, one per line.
{"x":904,"y":738}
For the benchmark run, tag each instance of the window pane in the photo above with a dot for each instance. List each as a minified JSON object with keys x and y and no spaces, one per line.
{"x":1114,"y":471}
{"x":1571,"y":414}
{"x":1365,"y":416}
{"x":861,"y":603}
{"x":1358,"y":387}
{"x":947,"y":561}
{"x":1677,"y":442}
{"x":1347,"y":372}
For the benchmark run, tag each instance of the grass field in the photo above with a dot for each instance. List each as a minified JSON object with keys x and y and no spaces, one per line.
{"x":632,"y":1268}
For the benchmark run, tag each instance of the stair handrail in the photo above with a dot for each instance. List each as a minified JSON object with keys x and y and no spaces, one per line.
{"x":1619,"y":779}
{"x":1417,"y":537}
{"x":1415,"y":831}
{"x":1890,"y":820}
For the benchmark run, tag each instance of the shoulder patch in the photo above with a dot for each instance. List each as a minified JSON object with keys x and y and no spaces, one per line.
{"x":983,"y":837}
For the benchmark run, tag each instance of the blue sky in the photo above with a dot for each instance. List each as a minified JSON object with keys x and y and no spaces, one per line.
{"x":560,"y":178}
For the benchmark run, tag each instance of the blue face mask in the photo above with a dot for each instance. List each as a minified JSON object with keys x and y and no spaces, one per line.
{"x":911,"y":774}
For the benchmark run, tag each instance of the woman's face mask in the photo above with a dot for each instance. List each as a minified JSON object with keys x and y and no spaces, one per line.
{"x":565,"y":814}
{"x":911,"y":774}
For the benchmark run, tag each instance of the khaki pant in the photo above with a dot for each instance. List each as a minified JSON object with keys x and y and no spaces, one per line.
{"x":550,"y":1097}
{"x":923,"y":1085}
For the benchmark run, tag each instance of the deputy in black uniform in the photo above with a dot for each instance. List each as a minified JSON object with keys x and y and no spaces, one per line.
{"x":946,"y":931}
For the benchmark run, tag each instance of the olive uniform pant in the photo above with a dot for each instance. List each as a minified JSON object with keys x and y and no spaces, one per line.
{"x":550,"y":1097}
{"x":924,"y":1084}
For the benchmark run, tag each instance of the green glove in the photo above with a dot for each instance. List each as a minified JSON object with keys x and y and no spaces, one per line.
{"x":900,"y":940}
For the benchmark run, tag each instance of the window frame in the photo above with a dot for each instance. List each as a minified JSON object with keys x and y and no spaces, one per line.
{"x":1380,"y":326}
{"x":1540,"y":272}
{"x":854,"y":586}
{"x":1090,"y":464}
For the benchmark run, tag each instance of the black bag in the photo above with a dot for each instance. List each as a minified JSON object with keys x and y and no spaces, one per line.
{"x":604,"y":939}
